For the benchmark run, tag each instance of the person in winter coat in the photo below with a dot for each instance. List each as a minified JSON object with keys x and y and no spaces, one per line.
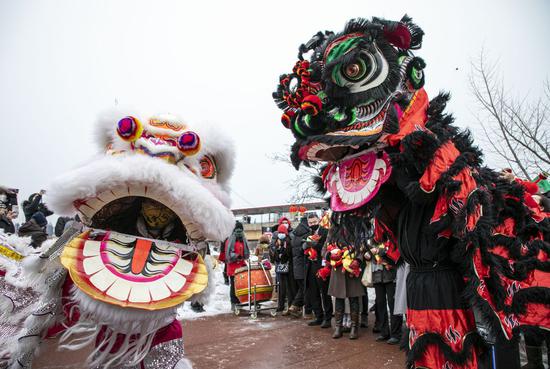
{"x":221,"y":258}
{"x":262,"y":250}
{"x":386,"y":257}
{"x":297,"y":238}
{"x":282,"y":255}
{"x":316,"y":289}
{"x":34,"y":204}
{"x":236,"y":254}
{"x":36,"y":229}
{"x":285,"y":222}
{"x":61,"y":225}
{"x":345,"y":282}
{"x":6,"y":216}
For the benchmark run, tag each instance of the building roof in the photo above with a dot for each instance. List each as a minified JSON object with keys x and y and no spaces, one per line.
{"x":278,"y":208}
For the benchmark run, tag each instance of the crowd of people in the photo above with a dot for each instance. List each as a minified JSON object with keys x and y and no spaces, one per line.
{"x":36,"y":213}
{"x":311,"y":284}
{"x":305,"y":287}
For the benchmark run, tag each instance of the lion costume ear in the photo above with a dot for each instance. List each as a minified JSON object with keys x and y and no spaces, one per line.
{"x":404,"y":34}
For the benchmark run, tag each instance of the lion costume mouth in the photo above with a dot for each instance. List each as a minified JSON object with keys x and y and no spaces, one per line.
{"x":135,"y":272}
{"x":354,"y":181}
{"x":180,"y":176}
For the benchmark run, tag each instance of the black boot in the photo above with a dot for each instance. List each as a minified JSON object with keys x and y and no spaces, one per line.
{"x":326,"y":322}
{"x":364,"y":320}
{"x":316,"y":321}
{"x":534,"y":358}
{"x":354,"y":332}
{"x":338,"y":319}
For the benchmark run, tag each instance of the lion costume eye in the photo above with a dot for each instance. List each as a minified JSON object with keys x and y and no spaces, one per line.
{"x":355,"y":71}
{"x":366,"y":71}
{"x":208,"y":167}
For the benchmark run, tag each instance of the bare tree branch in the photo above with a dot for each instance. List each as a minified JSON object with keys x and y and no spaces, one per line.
{"x":301,"y":185}
{"x":515,"y":128}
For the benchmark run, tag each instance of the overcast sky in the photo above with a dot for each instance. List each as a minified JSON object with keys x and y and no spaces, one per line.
{"x":62,"y":62}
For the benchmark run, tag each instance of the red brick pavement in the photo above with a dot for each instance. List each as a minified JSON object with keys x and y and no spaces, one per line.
{"x":230,"y":342}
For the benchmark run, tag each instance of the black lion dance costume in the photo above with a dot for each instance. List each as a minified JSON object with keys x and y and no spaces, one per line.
{"x":477,"y":246}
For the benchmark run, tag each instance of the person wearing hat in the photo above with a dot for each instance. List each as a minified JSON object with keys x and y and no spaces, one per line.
{"x":236,"y":252}
{"x":282,"y":256}
{"x":36,"y":229}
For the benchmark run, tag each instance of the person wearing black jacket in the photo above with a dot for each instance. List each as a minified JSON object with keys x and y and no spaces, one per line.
{"x":316,"y":290}
{"x":36,"y":229}
{"x":386,"y":258}
{"x":282,"y":255}
{"x":34,"y":204}
{"x":297,"y":238}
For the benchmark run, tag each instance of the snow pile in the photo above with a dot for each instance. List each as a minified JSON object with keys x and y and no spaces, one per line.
{"x":218,"y":303}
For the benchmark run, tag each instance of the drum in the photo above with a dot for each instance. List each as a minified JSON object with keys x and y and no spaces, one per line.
{"x":259,"y":277}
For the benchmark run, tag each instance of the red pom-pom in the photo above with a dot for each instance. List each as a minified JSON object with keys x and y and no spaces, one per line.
{"x":287,"y":117}
{"x":356,"y":268}
{"x":311,"y":253}
{"x":311,"y":105}
{"x":324,"y":273}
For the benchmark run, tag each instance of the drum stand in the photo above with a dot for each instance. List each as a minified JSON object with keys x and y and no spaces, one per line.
{"x":253,"y":306}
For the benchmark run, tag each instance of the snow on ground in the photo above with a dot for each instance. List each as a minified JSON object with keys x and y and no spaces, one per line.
{"x":218,"y":303}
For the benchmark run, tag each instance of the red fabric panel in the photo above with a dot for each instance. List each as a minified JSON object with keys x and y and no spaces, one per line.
{"x":413,"y":118}
{"x":444,"y":156}
{"x":453,"y":325}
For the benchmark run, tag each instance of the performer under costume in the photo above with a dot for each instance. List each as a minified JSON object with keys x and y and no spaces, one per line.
{"x":355,"y":102}
{"x":148,"y":204}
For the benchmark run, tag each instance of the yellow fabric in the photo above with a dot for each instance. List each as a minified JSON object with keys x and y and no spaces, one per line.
{"x":10,"y":254}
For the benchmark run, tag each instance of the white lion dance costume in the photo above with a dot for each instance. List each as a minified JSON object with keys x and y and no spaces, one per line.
{"x":148,"y":204}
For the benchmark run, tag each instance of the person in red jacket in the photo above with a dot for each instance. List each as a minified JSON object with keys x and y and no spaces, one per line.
{"x":236,"y":254}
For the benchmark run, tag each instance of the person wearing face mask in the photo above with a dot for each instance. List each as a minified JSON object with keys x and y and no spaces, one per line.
{"x":282,"y":255}
{"x":316,"y":290}
{"x":236,"y":254}
{"x":297,"y":238}
{"x":286,"y":223}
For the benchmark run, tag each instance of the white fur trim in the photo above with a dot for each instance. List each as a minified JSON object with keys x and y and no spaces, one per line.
{"x":115,"y":316}
{"x":184,"y":364}
{"x":178,"y":189}
{"x":117,"y":320}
